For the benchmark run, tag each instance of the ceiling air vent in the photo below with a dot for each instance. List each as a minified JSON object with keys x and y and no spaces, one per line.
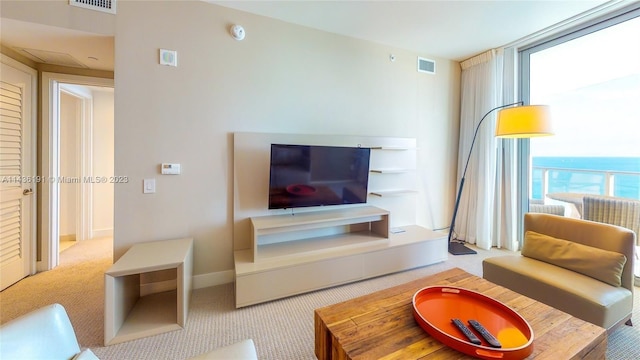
{"x":51,"y":57}
{"x":108,"y":6}
{"x":426,"y":66}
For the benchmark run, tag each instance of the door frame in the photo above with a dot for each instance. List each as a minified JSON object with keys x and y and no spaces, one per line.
{"x":30,"y":246}
{"x":50,"y":161}
{"x":84,"y":160}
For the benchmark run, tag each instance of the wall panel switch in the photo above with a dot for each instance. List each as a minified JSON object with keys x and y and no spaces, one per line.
{"x":170,"y":169}
{"x":168,"y":57}
{"x":149,"y":186}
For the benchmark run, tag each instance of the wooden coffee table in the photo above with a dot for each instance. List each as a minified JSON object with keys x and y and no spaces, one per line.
{"x":381,"y":325}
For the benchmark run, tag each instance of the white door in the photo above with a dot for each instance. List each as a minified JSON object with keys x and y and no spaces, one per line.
{"x":17,"y":183}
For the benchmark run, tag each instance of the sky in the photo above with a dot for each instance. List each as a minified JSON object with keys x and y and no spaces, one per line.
{"x":593,"y":87}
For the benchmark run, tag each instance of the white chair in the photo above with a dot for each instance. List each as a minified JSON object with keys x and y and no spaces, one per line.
{"x":47,"y":333}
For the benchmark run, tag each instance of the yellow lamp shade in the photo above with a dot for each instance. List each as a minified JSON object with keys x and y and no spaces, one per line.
{"x":524,"y":122}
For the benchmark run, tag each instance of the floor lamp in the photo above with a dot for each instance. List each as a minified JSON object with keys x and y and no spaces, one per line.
{"x":514,"y":121}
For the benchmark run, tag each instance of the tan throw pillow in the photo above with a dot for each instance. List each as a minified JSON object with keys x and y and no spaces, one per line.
{"x":603,"y":265}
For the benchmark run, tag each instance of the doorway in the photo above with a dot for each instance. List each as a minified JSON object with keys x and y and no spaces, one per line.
{"x":77,"y":158}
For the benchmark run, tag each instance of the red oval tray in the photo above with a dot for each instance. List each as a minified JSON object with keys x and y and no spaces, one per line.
{"x":435,"y":306}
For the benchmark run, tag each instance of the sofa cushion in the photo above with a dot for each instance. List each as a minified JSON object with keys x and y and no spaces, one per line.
{"x":603,"y":265}
{"x":579,"y":295}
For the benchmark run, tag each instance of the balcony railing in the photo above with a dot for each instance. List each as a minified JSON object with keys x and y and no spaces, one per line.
{"x":546,"y":180}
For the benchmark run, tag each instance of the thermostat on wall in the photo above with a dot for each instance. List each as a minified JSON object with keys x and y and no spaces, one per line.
{"x":170,"y":169}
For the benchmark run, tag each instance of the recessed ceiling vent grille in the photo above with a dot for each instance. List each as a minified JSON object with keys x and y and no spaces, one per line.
{"x":426,"y":65}
{"x":108,"y":6}
{"x":51,"y":57}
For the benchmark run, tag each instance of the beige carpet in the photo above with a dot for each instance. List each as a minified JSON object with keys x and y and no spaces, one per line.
{"x":77,"y":283}
{"x":281,"y":329}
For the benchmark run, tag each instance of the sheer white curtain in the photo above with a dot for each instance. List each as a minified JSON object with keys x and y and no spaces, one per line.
{"x":507,"y":211}
{"x":487,"y":204}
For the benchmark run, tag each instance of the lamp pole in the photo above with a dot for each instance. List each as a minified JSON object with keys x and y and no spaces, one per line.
{"x":457,"y":248}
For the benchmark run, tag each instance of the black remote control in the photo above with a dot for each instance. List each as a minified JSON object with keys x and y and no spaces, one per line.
{"x":466,"y":331}
{"x":485,"y":333}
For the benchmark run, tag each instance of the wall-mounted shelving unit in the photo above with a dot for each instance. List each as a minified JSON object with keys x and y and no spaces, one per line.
{"x":397,"y":166}
{"x":393,"y":193}
{"x":397,"y":148}
{"x":279,"y":254}
{"x":389,"y":171}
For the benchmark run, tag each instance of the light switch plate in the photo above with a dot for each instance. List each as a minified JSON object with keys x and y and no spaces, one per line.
{"x":149,"y":186}
{"x":168,"y":57}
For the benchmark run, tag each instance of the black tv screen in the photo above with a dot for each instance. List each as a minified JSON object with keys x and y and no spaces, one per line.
{"x":311,"y":175}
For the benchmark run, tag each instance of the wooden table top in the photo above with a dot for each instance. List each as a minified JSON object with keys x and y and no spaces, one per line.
{"x":380,"y":325}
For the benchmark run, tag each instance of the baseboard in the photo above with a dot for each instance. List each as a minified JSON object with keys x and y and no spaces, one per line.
{"x":69,"y":237}
{"x":102,"y":233}
{"x":213,"y":279}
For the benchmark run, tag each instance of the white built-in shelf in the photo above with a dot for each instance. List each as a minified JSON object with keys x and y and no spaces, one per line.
{"x":390,"y":171}
{"x":296,"y":267}
{"x":388,"y":148}
{"x":280,"y":236}
{"x":400,"y":192}
{"x":276,"y":256}
{"x":398,"y":168}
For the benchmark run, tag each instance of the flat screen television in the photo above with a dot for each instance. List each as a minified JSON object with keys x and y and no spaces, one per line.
{"x":312,"y":175}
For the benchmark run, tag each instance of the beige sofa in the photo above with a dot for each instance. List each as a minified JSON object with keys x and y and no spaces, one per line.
{"x":581,"y":267}
{"x":47,"y":333}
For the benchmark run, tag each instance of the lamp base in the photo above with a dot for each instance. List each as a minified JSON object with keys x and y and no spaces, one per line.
{"x":456,"y":248}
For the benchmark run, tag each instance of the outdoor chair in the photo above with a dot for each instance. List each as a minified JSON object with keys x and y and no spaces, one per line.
{"x":616,"y":211}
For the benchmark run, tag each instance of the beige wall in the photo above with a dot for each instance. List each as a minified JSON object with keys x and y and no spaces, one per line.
{"x":103,"y":158}
{"x":281,"y":78}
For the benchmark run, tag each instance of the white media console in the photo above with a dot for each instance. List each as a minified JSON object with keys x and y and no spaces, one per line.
{"x":279,"y":254}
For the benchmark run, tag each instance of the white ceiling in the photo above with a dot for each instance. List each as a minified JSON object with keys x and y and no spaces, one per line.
{"x":59,"y":46}
{"x":450,"y":29}
{"x":447,"y":29}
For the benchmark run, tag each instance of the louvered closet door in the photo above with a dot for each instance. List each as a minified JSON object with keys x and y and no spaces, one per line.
{"x":15,"y":194}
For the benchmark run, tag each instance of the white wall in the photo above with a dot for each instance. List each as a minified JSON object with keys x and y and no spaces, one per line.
{"x":103,"y":193}
{"x":101,"y":101}
{"x":70,"y":112}
{"x":282,"y":78}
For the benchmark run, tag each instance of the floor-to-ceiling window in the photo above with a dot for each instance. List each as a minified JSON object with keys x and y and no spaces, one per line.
{"x":591,"y":80}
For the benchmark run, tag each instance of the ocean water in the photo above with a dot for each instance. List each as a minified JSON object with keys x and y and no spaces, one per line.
{"x":566,"y":180}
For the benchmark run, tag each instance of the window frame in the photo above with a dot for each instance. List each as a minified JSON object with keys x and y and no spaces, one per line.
{"x":524,"y":70}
